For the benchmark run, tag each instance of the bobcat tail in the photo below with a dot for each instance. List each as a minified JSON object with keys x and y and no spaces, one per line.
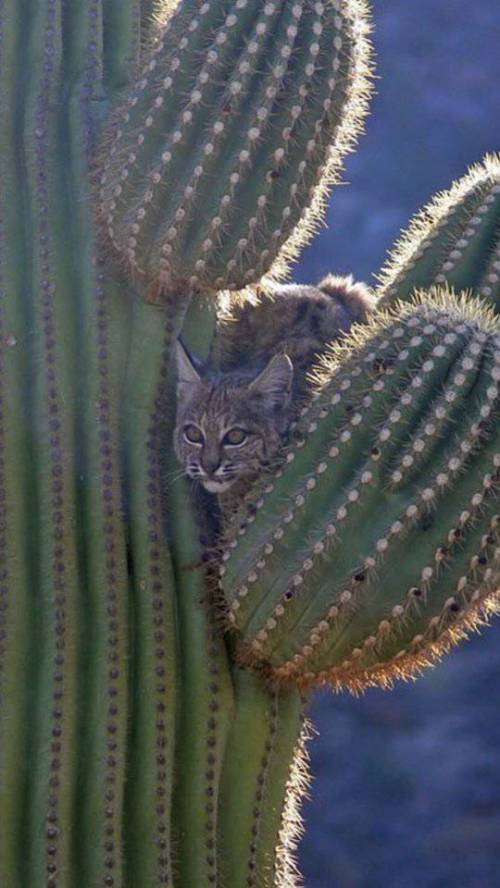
{"x":355,"y":297}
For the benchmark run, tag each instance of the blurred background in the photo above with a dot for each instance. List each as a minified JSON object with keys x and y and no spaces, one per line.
{"x":406,"y":784}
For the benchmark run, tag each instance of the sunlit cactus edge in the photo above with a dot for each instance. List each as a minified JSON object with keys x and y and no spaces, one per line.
{"x":452,"y":240}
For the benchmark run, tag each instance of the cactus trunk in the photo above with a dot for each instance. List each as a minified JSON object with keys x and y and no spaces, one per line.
{"x":116,"y":688}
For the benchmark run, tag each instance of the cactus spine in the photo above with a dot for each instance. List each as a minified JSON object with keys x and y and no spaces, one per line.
{"x":134,"y":749}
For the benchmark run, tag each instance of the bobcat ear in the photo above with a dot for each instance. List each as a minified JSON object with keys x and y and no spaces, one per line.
{"x":187,"y":374}
{"x":275,"y":381}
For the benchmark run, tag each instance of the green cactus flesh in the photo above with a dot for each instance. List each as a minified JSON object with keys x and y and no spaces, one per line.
{"x":454,"y":240}
{"x":209,"y":192}
{"x":376,"y":543}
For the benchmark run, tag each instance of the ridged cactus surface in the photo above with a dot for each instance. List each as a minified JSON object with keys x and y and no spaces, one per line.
{"x":377,"y":542}
{"x":217,"y":164}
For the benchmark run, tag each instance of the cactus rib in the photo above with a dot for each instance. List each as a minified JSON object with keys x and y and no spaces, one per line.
{"x":53,"y":785}
{"x":152,"y":738}
{"x":17,"y":474}
{"x":204,"y":672}
{"x":103,"y":692}
{"x":121,"y":42}
{"x":205,"y":714}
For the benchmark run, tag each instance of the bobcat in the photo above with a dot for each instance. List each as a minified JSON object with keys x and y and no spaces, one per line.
{"x":231,"y":423}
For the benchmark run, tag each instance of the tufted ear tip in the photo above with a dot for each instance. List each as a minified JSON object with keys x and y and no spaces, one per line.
{"x":274,"y":383}
{"x":187,"y":374}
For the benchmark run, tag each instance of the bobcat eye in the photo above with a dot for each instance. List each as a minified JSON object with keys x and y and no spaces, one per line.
{"x":193,"y":434}
{"x":235,"y":436}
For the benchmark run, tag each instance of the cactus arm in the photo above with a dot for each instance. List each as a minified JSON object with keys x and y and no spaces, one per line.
{"x":399,"y":455}
{"x":335,"y":446}
{"x":232,"y":112}
{"x":264,"y":736}
{"x":433,"y":252}
{"x":453,"y":240}
{"x":16,"y":472}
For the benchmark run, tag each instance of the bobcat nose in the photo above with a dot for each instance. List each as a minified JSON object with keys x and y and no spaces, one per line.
{"x":210,"y":462}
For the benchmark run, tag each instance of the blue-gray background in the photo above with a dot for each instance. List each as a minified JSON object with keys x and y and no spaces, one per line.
{"x":406,"y":788}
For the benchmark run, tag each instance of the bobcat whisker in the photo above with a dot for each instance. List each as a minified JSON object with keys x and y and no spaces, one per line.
{"x":172,"y":477}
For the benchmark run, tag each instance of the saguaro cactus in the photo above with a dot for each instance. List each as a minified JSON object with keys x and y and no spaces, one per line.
{"x":140,"y":742}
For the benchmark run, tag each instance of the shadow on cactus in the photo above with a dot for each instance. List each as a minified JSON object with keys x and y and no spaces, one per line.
{"x":140,"y":742}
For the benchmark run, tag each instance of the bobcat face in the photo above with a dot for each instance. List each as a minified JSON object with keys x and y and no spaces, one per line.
{"x":217,"y":456}
{"x":232,"y":425}
{"x":227,"y":429}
